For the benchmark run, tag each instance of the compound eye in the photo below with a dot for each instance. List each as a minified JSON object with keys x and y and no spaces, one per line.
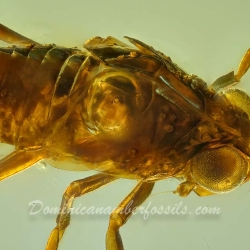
{"x":219,"y":170}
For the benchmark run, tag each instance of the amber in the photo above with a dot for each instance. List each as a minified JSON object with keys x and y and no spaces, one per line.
{"x":127,"y":112}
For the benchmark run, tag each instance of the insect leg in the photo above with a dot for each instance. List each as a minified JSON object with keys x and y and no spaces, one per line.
{"x":244,"y":65}
{"x":231,"y":78}
{"x":10,"y":36}
{"x":18,"y":161}
{"x":122,"y":213}
{"x":74,"y":190}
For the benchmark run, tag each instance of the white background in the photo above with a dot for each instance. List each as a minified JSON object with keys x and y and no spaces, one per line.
{"x":207,"y":38}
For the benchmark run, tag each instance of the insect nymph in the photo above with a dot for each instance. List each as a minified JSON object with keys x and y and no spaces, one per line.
{"x":126,"y":112}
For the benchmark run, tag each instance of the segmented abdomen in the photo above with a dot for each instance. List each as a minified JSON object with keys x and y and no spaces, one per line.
{"x":34,"y":84}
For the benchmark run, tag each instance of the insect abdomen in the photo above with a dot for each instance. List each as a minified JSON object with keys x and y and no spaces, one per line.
{"x":32,"y":79}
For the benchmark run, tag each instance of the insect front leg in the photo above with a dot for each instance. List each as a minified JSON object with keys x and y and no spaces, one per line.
{"x":74,"y":190}
{"x":122,"y":213}
{"x":18,"y":161}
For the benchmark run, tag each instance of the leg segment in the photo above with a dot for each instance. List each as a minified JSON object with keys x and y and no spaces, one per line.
{"x":10,"y":36}
{"x":122,"y":213}
{"x":75,"y":189}
{"x":230,"y":78}
{"x":244,"y":66}
{"x":18,"y":161}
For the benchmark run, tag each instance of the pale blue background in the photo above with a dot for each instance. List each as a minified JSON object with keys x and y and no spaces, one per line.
{"x":207,"y":38}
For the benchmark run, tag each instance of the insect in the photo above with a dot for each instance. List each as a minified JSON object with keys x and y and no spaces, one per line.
{"x":128,"y":112}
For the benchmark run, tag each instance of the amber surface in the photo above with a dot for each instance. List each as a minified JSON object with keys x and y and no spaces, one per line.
{"x":128,"y":112}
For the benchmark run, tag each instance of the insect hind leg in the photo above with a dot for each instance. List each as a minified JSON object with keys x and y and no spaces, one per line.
{"x":18,"y":161}
{"x":10,"y":36}
{"x":74,"y":190}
